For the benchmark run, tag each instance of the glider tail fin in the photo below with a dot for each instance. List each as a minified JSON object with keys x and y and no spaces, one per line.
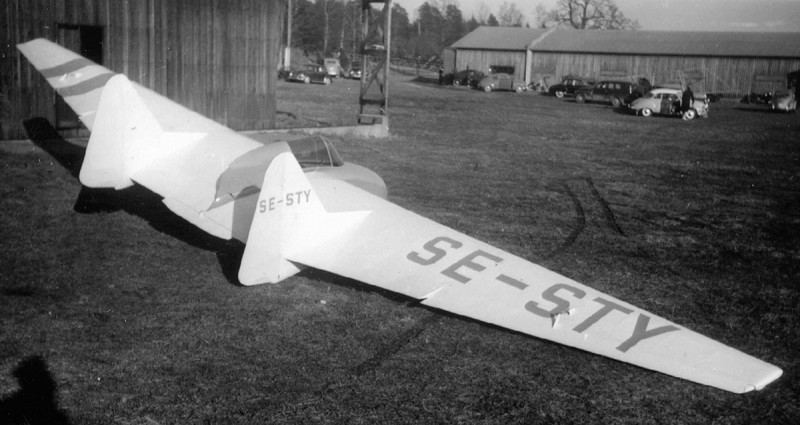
{"x":125,"y":138}
{"x":289,"y":219}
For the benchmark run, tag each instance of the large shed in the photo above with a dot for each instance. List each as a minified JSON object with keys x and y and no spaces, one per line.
{"x":487,"y":48}
{"x":721,"y":62}
{"x":219,"y":58}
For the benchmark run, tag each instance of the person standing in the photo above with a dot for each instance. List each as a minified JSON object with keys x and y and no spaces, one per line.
{"x":688,"y":99}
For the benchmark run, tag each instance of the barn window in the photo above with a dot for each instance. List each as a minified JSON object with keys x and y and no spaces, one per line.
{"x":504,"y":69}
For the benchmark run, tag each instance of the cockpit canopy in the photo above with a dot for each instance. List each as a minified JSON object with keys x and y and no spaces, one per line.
{"x":315,"y":151}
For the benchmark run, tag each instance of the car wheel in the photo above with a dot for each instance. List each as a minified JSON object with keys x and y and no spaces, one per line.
{"x":580,"y":98}
{"x":326,"y":80}
{"x":615,"y":102}
{"x":520,"y":89}
{"x":689,"y":114}
{"x":456,"y":82}
{"x":487,"y":89}
{"x":307,"y":80}
{"x":647,"y":112}
{"x":559,"y":94}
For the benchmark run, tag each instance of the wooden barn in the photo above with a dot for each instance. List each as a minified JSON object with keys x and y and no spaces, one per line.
{"x":219,"y":58}
{"x":716,"y":62}
{"x":489,"y":48}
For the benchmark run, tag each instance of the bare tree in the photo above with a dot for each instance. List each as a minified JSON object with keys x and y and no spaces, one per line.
{"x":510,"y":15}
{"x":585,"y":14}
{"x":482,"y":13}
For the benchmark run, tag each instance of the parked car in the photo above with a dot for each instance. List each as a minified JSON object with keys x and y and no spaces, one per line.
{"x":640,"y":89}
{"x":309,"y":73}
{"x":467,"y":77}
{"x":613,"y":92}
{"x":757,"y":98}
{"x":668,"y":102}
{"x":783,"y":102}
{"x":355,"y":71}
{"x":283,"y":72}
{"x":333,"y":67}
{"x":568,"y":85}
{"x":501,"y":82}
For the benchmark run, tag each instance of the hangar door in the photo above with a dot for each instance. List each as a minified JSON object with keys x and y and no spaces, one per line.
{"x":88,"y":41}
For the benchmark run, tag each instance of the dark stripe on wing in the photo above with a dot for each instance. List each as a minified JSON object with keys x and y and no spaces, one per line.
{"x":86,"y":86}
{"x":66,"y":68}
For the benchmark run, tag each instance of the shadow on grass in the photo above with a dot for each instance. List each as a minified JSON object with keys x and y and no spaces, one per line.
{"x":35,"y":402}
{"x":136,"y":200}
{"x":757,"y":109}
{"x":434,"y":81}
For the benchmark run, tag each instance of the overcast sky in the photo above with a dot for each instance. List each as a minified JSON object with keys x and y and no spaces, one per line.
{"x":666,"y":15}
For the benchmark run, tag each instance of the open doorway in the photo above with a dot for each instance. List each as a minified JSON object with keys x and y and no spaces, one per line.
{"x":87,"y":40}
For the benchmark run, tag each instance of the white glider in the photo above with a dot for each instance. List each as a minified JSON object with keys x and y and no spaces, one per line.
{"x":334,"y":217}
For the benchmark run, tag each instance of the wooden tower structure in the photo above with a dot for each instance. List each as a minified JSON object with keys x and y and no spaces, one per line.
{"x":375,"y":49}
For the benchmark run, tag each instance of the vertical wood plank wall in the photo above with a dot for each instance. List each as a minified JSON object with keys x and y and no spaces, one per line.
{"x":217,"y":57}
{"x":729,"y":75}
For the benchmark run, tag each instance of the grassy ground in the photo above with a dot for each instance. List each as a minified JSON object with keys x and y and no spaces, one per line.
{"x":132,"y":314}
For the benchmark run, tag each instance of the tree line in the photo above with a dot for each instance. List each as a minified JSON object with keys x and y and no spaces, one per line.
{"x":332,"y":28}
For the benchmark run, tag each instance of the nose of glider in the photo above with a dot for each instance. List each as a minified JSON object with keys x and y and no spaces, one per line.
{"x":366,"y":179}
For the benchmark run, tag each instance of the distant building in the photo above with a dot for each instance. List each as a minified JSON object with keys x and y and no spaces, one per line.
{"x":716,"y":62}
{"x":217,"y":58}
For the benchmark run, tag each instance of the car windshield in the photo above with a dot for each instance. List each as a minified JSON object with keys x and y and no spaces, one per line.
{"x":311,"y":68}
{"x":315,"y":151}
{"x":650,"y":95}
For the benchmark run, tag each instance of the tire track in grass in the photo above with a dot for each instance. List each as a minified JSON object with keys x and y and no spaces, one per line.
{"x":580,"y":222}
{"x":397,"y":344}
{"x":351,"y":380}
{"x":611,"y":221}
{"x":580,"y":215}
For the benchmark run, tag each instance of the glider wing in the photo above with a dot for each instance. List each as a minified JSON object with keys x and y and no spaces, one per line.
{"x":390,"y":247}
{"x":140,"y":136}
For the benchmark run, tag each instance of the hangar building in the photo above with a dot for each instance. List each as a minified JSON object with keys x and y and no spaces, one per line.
{"x":219,"y":58}
{"x":732,"y":63}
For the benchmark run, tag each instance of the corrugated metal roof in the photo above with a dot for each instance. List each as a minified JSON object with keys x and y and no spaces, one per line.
{"x":696,"y":43}
{"x":499,"y":38}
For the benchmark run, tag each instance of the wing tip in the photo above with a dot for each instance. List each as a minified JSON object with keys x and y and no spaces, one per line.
{"x":768,"y":378}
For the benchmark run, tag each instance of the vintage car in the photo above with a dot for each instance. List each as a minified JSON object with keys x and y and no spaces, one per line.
{"x":668,"y":102}
{"x":333,"y":67}
{"x":783,"y":102}
{"x":467,"y":77}
{"x":501,"y":81}
{"x":568,"y":85}
{"x":355,"y":71}
{"x":309,"y":73}
{"x":613,"y":92}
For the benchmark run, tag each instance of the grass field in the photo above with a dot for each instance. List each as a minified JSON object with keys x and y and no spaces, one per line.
{"x":113,"y":311}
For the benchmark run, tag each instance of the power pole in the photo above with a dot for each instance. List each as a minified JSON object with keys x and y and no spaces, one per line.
{"x":375,"y":47}
{"x":287,"y":56}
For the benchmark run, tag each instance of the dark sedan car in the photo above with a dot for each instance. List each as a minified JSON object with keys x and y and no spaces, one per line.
{"x":501,"y":82}
{"x":613,"y":92}
{"x":467,"y":77}
{"x":568,"y":85}
{"x":309,"y":73}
